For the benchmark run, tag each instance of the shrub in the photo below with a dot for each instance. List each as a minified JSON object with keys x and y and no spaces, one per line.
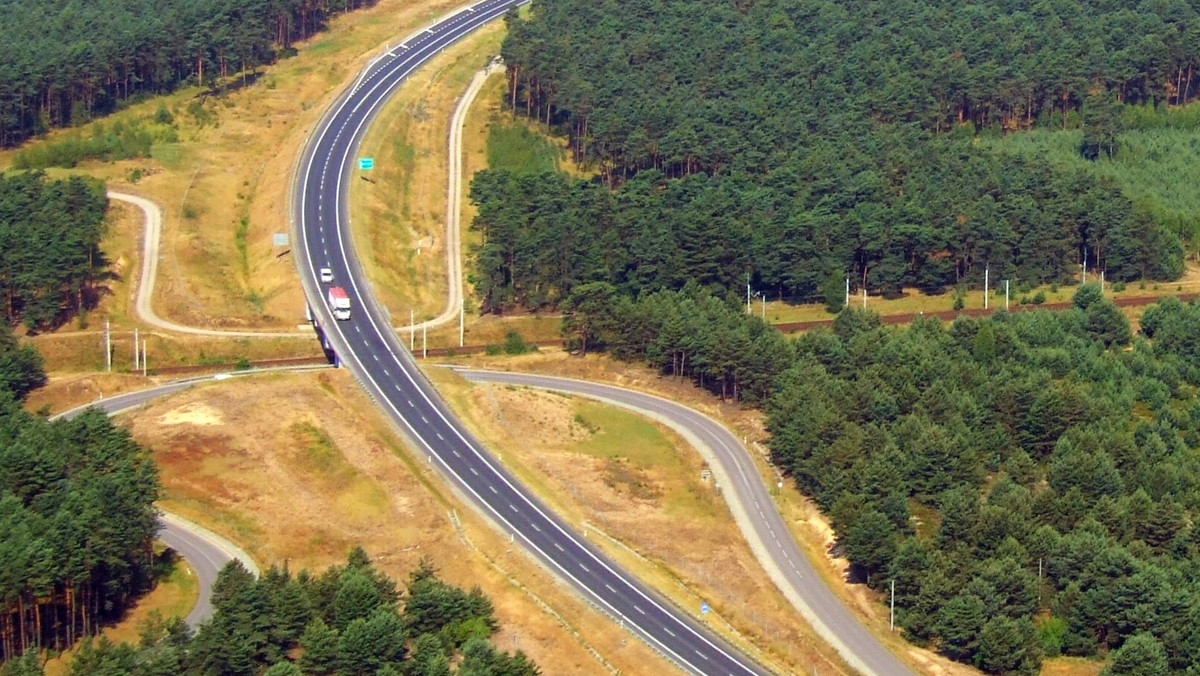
{"x":514,"y":343}
{"x":163,"y":116}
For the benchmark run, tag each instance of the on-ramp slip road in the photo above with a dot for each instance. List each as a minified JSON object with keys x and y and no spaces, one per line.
{"x":752,"y":508}
{"x":370,"y":348}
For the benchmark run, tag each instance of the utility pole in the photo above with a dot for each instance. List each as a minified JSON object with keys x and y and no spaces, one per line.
{"x":764,"y":305}
{"x":107,"y":347}
{"x":136,"y":363}
{"x":1006,"y":295}
{"x":892,"y":614}
{"x":748,"y":310}
{"x":462,"y":310}
{"x":986,"y":272}
{"x":1085,"y":266}
{"x":412,"y":330}
{"x":847,"y":303}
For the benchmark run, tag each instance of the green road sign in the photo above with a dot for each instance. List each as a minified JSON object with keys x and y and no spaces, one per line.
{"x":366,"y":163}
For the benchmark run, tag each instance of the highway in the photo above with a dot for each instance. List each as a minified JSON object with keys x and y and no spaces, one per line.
{"x":367,"y":345}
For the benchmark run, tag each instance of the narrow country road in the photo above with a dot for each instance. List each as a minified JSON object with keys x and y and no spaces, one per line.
{"x":150,"y":251}
{"x":152,"y":238}
{"x":454,"y":275}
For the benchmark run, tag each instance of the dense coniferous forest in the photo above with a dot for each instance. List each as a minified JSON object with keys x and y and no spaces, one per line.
{"x":77,"y":517}
{"x":348,"y":621}
{"x":1030,"y":486}
{"x":64,"y":62}
{"x":801,"y":142}
{"x":1030,"y":481}
{"x":686,"y":86}
{"x":962,"y":213}
{"x":50,"y":258}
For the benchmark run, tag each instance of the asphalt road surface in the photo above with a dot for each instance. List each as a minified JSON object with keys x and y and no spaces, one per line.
{"x":372,"y":351}
{"x":205,"y":551}
{"x":752,"y":507}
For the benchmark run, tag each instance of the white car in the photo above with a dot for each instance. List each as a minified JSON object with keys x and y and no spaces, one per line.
{"x":326,"y":275}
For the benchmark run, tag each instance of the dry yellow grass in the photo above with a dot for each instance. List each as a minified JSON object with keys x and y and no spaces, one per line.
{"x":80,"y":351}
{"x":239,"y":168}
{"x":399,"y":215}
{"x":1071,"y":666}
{"x":491,"y":330}
{"x":915,"y":301}
{"x":328,"y":473}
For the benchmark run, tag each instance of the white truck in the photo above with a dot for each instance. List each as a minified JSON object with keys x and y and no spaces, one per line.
{"x":339,"y":302}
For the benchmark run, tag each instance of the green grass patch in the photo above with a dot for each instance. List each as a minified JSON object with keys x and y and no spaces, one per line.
{"x":616,"y":433}
{"x":170,"y":155}
{"x":318,"y":457}
{"x":239,"y":241}
{"x":513,"y":146}
{"x":184,"y":588}
{"x":1157,"y":168}
{"x":318,"y":454}
{"x":405,"y":157}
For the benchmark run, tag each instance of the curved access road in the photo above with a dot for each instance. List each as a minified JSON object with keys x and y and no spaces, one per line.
{"x":205,"y":551}
{"x":152,"y":237}
{"x":150,"y":245}
{"x":755,"y":512}
{"x":454,"y":257}
{"x":371,"y":349}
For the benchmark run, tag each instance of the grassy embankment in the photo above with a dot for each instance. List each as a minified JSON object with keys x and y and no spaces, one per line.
{"x":329,"y":473}
{"x":222,"y":174}
{"x":399,"y":208}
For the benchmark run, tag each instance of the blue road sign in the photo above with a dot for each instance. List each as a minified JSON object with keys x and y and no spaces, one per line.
{"x":704,"y":607}
{"x":366,"y":163}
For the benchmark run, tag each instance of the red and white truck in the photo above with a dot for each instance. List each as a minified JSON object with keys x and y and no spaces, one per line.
{"x":339,"y":302}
